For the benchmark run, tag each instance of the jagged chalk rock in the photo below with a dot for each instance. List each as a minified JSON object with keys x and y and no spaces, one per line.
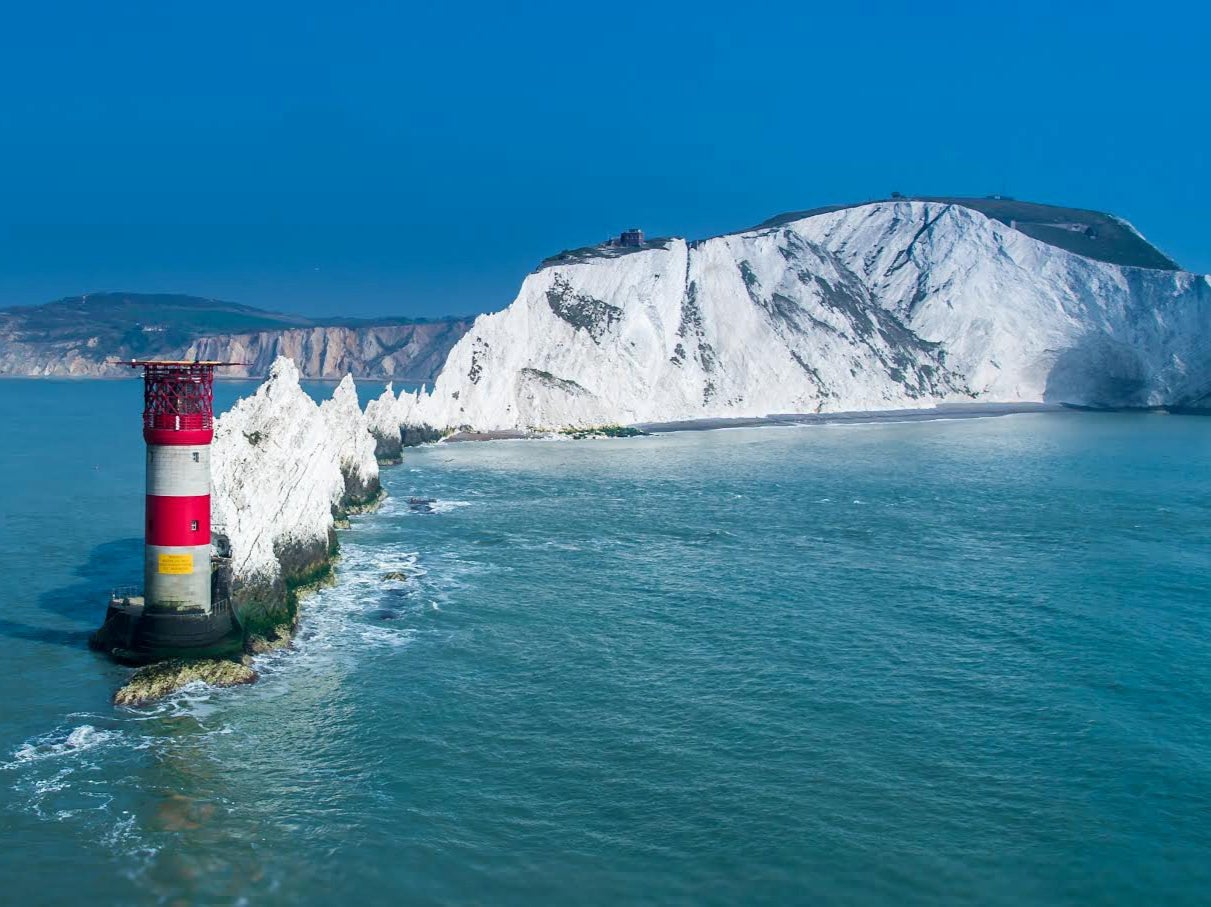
{"x":384,"y":422}
{"x":283,"y":470}
{"x":349,"y":429}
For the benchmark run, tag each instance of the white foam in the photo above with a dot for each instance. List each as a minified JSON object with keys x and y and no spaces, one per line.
{"x":56,"y":776}
{"x":446,"y":506}
{"x":194,"y":700}
{"x":56,"y":744}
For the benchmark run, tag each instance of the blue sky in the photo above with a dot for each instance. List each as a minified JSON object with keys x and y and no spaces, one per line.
{"x":373,"y":159}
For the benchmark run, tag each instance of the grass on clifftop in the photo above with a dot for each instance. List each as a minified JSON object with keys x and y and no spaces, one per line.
{"x":1092,"y":234}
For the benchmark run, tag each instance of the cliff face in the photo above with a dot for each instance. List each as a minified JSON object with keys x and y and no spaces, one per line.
{"x":409,"y":352}
{"x":75,"y":337}
{"x":879,"y":306}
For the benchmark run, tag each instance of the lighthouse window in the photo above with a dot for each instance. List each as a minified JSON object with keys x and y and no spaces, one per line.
{"x":196,"y":457}
{"x":193,"y":525}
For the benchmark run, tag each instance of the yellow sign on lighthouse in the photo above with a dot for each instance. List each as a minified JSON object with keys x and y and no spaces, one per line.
{"x":180,"y":564}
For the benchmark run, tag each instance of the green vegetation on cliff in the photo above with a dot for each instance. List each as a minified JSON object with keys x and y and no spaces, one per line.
{"x":602,"y":431}
{"x":1093,"y":234}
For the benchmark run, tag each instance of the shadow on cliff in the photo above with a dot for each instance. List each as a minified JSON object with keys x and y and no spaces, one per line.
{"x":112,"y":564}
{"x":1099,"y":372}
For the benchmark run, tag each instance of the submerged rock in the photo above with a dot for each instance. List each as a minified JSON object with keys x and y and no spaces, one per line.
{"x":166,"y":677}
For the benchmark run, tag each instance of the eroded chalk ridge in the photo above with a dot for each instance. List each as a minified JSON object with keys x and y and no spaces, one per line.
{"x":286,"y":473}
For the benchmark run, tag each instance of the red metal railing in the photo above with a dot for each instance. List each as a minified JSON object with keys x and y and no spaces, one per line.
{"x":178,"y":399}
{"x":178,"y":396}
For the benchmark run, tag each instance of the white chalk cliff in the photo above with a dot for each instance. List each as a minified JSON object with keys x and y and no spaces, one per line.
{"x":878,"y":306}
{"x":282,"y":467}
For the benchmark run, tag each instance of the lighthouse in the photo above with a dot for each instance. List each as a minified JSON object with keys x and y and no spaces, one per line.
{"x":184,"y":608}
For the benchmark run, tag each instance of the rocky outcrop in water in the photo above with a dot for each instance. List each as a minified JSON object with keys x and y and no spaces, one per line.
{"x":396,"y":424}
{"x":285,"y":471}
{"x":384,"y":423}
{"x":156,"y":681}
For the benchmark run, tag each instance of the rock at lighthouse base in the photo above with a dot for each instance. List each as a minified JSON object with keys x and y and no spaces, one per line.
{"x":163,"y":678}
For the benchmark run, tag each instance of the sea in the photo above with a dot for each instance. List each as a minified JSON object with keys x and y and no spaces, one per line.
{"x":950,"y":662}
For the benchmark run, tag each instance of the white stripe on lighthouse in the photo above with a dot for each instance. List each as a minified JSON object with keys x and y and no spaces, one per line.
{"x":178,"y":470}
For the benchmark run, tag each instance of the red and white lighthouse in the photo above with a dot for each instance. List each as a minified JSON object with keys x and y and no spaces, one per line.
{"x":178,"y":609}
{"x":178,"y":426}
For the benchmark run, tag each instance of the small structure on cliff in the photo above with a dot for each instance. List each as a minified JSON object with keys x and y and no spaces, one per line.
{"x":185,"y":607}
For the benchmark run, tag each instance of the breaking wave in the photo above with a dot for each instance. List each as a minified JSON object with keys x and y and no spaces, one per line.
{"x":58,"y":744}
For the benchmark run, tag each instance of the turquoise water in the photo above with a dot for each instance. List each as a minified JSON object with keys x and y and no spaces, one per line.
{"x":933,"y":663}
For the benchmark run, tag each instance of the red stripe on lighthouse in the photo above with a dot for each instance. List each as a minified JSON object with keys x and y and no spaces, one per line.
{"x":171,"y":520}
{"x":191,"y":429}
{"x":184,"y":438}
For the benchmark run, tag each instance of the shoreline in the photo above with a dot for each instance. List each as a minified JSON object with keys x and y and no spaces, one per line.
{"x":946,"y":411}
{"x":943,"y":412}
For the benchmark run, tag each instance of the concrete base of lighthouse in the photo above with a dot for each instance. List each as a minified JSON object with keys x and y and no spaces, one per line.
{"x":134,"y":633}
